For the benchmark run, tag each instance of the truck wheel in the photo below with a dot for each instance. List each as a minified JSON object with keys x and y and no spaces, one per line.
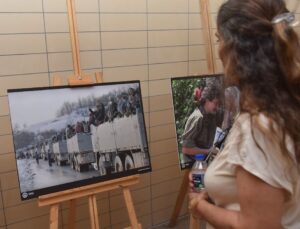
{"x":101,"y":166}
{"x":129,"y":164}
{"x":118,"y":164}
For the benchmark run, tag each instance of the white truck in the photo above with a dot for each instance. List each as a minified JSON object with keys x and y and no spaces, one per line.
{"x":60,"y":150}
{"x":80,"y":151}
{"x":120,"y":145}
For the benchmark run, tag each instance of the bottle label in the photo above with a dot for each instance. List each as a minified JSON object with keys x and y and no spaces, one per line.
{"x":198,"y":180}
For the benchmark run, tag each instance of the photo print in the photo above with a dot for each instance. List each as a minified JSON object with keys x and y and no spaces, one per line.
{"x":66,"y":137}
{"x":204,"y":113}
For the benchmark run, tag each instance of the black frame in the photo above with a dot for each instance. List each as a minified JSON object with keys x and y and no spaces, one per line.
{"x":74,"y":184}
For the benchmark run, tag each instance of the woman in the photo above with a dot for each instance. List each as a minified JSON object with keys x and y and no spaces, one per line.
{"x":255,"y":181}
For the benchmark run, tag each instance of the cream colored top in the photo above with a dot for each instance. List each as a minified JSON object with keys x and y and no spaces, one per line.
{"x":240,"y":149}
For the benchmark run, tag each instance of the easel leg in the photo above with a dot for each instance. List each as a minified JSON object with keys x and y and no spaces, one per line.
{"x":54,"y":216}
{"x":72,"y":214}
{"x":93,"y":212}
{"x":130,"y":209}
{"x":180,"y":198}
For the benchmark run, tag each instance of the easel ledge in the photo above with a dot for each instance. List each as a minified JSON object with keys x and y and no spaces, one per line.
{"x":75,"y":193}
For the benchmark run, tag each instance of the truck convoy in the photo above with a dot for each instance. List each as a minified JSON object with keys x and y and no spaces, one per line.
{"x":110,"y":147}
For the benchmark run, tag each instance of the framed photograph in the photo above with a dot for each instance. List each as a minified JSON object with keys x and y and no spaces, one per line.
{"x":204,"y":112}
{"x":66,"y":137}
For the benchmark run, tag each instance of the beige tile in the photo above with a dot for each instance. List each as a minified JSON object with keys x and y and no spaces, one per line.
{"x":197,"y":52}
{"x":56,"y":22}
{"x":194,"y":6}
{"x":90,"y":59}
{"x":165,"y":174}
{"x":86,"y":5}
{"x":164,"y":146}
{"x":125,"y":73}
{"x":120,"y":40}
{"x":11,"y":198}
{"x":195,"y":21}
{"x":144,"y":181}
{"x":58,"y":42}
{"x":21,"y":6}
{"x":215,"y":5}
{"x":198,"y":67}
{"x":196,"y":37}
{"x":117,"y":58}
{"x":4,"y":106}
{"x":138,"y":196}
{"x":23,"y":64}
{"x":25,"y":211}
{"x":163,"y":216}
{"x":165,"y":188}
{"x":89,"y":41}
{"x":168,"y":38}
{"x":41,"y":222}
{"x":168,"y":70}
{"x":7,"y":162}
{"x":145,"y":89}
{"x":163,"y":202}
{"x":167,"y":21}
{"x":145,"y":104}
{"x":121,"y":22}
{"x":87,"y":22}
{"x":55,"y":6}
{"x":60,"y":61}
{"x":6,"y":142}
{"x":23,"y":81}
{"x":160,"y":87}
{"x":62,"y":75}
{"x":164,"y":160}
{"x":121,"y":215}
{"x":161,"y":117}
{"x":22,"y":44}
{"x":219,"y":68}
{"x":162,"y":132}
{"x":123,"y":6}
{"x":167,"y":54}
{"x":104,"y":222}
{"x":5,"y":125}
{"x":9,"y":180}
{"x":213,"y":20}
{"x":21,"y":23}
{"x":168,"y":6}
{"x":2,"y":219}
{"x":161,"y":102}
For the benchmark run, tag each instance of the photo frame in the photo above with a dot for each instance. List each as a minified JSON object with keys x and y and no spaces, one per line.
{"x":66,"y":137}
{"x":204,"y":110}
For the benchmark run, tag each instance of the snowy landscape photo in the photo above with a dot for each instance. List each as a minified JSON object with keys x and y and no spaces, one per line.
{"x":66,"y":137}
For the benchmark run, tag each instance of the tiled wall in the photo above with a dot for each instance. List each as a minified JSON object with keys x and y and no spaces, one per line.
{"x":147,"y":40}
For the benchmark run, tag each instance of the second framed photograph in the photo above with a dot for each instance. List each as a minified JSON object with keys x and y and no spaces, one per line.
{"x":204,"y":112}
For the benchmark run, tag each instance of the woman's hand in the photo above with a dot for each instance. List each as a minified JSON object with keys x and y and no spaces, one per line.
{"x":195,"y":200}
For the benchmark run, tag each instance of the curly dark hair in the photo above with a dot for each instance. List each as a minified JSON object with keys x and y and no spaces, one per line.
{"x":263,"y":60}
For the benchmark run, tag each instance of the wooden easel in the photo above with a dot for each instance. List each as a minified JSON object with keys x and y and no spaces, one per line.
{"x":55,"y":199}
{"x":206,"y":25}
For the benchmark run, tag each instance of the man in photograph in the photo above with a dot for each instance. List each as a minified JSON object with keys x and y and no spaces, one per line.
{"x":200,"y":128}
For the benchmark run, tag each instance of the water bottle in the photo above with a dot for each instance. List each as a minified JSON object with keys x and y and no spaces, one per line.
{"x":198,"y":172}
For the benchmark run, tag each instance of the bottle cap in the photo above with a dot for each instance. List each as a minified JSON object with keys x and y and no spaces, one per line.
{"x":200,"y":157}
